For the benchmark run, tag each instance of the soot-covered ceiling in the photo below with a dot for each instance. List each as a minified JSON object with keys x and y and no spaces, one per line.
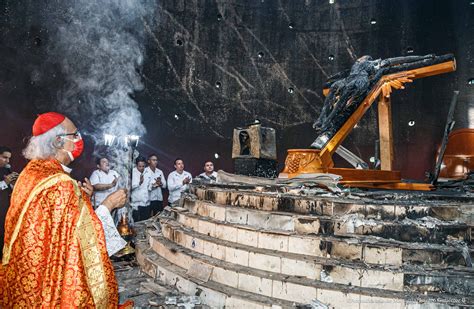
{"x":184,"y":73}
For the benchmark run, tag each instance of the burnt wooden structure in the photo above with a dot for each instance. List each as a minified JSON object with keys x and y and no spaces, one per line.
{"x":308,"y":161}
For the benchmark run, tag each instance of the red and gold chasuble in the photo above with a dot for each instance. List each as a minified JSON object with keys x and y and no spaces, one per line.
{"x":54,"y":253}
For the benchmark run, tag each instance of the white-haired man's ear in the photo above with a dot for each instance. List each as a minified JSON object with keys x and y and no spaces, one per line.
{"x":58,"y":142}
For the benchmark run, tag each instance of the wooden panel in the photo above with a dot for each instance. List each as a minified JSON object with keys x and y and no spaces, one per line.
{"x":385,"y":133}
{"x":394,"y":186}
{"x":355,"y":175}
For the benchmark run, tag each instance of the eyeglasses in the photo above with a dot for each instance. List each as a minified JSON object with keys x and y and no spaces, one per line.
{"x":76,"y":136}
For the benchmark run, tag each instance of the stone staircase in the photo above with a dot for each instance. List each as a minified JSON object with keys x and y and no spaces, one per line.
{"x":241,"y":246}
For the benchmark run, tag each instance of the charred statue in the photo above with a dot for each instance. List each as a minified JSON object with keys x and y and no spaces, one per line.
{"x":349,"y":88}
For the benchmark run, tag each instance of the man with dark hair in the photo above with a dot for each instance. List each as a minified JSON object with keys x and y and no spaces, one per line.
{"x":140,"y":195}
{"x":157,"y":181}
{"x":178,"y":181}
{"x":104,"y":180}
{"x":8,"y":179}
{"x":209,"y":173}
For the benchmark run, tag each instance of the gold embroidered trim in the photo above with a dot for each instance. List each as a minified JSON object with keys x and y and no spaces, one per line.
{"x":91,"y":255}
{"x":87,"y":237}
{"x":50,"y":181}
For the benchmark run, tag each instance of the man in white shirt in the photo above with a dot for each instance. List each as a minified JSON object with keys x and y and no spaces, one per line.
{"x":209,"y":174}
{"x":6,"y":184}
{"x":178,"y":181}
{"x":140,"y":195}
{"x":156,"y":183}
{"x":104,"y":180}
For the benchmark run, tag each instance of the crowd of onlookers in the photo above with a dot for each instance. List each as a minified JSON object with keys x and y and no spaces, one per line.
{"x":147,"y":185}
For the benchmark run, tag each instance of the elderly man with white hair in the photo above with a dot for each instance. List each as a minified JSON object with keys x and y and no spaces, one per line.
{"x":55,"y":252}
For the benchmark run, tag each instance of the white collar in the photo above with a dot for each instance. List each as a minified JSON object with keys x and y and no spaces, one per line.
{"x":66,"y":169}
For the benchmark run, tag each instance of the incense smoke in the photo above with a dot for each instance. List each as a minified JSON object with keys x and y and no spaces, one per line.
{"x":99,"y":46}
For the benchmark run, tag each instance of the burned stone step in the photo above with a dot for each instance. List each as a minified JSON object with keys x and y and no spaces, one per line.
{"x":432,"y":283}
{"x":369,"y":249}
{"x":332,"y":206}
{"x":336,"y":270}
{"x":285,"y":287}
{"x":426,"y":229}
{"x":211,"y":293}
{"x":421,"y":230}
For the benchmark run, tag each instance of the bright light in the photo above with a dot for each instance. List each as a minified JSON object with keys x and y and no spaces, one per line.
{"x":411,"y":123}
{"x":109,"y":139}
{"x":216,"y":155}
{"x":131,"y":140}
{"x":134,"y":140}
{"x":176,"y":116}
{"x":373,"y":21}
{"x":331,"y":1}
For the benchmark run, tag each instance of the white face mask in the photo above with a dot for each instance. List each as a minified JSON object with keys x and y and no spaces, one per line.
{"x":71,"y":157}
{"x":69,"y":154}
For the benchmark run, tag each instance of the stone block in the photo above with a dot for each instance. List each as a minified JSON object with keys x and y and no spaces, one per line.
{"x":226,"y":232}
{"x":214,"y":250}
{"x":382,"y":280}
{"x":306,"y":225}
{"x":340,"y":249}
{"x":196,"y":244}
{"x":221,"y":198}
{"x":237,"y":256}
{"x":247,"y":237}
{"x":343,"y":275}
{"x":306,"y":269}
{"x":207,"y":228}
{"x":217,"y":212}
{"x":202,"y":209}
{"x":273,"y":241}
{"x":337,"y":299}
{"x":212,"y":298}
{"x":304,"y":245}
{"x":265,"y":262}
{"x":258,"y":219}
{"x":227,"y":277}
{"x":382,"y":255}
{"x":293,"y":292}
{"x":255,"y":284}
{"x":236,"y":215}
{"x":147,"y":266}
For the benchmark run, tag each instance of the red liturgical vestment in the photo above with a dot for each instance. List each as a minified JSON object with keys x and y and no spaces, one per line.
{"x":54,"y":253}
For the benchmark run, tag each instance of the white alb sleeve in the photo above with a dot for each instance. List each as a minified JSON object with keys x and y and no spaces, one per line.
{"x":113,"y":240}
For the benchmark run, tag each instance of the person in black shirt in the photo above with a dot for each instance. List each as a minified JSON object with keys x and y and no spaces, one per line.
{"x":7,"y":180}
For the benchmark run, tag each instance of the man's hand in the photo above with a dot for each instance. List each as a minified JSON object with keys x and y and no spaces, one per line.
{"x":10,"y":178}
{"x":86,"y":186}
{"x":114,"y":183}
{"x":186,"y":180}
{"x":158,"y":182}
{"x":116,"y":199}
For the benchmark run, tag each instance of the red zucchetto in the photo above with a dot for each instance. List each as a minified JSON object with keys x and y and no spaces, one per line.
{"x":46,"y":122}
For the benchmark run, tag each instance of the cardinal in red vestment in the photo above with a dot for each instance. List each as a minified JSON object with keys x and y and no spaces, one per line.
{"x":55,"y":250}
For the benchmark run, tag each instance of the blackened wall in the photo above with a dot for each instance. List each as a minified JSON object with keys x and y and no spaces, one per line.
{"x":211,"y":66}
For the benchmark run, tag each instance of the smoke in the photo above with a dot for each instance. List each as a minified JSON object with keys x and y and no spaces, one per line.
{"x":99,"y":47}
